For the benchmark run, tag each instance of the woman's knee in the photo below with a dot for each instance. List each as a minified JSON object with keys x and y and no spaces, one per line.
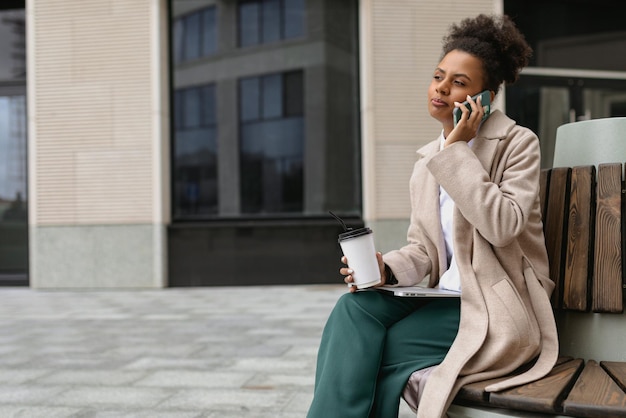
{"x":346,"y":303}
{"x":360,"y":300}
{"x":362,"y":306}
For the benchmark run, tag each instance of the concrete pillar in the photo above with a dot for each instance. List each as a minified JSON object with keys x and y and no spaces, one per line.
{"x":98,"y":143}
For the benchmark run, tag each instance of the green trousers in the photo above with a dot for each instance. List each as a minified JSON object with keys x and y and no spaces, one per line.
{"x":371,"y":345}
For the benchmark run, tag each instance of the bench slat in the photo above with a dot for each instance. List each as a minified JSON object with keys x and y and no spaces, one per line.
{"x":544,"y":395}
{"x":579,"y":254}
{"x":556,"y":227}
{"x":607,"y":284}
{"x":617,"y":371}
{"x":595,"y":394}
{"x":474,"y":393}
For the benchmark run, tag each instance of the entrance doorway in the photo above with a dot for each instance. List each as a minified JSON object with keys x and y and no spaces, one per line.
{"x":578,"y":68}
{"x":545,"y":98}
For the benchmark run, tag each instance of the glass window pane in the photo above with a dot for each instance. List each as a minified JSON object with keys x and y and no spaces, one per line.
{"x":191,"y":105}
{"x":178,"y":41}
{"x":251,"y":167}
{"x":248,"y":24}
{"x":271,"y":21}
{"x":294,"y":18}
{"x":272,"y":96}
{"x":13,"y":185}
{"x":283,"y":139}
{"x":195,"y":172}
{"x":12,"y":151}
{"x":208,"y":106}
{"x":249,"y":99}
{"x":178,"y":110}
{"x":294,"y":94}
{"x":13,"y":44}
{"x":193,"y":145}
{"x":192,"y":37}
{"x":209,"y":31}
{"x":272,"y":166}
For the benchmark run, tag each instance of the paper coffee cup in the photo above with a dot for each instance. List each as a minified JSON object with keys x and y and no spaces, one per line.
{"x":358,"y":247}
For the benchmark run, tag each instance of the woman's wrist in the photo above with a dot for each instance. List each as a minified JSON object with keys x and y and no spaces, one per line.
{"x":390,"y":279}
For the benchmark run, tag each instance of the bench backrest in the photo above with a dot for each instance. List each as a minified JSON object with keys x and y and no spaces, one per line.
{"x":583,"y":213}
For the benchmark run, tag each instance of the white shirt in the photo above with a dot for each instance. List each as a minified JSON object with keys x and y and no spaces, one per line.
{"x":451,"y":279}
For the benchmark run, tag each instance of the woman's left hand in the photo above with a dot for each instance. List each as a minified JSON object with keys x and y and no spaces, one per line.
{"x":347,"y":272}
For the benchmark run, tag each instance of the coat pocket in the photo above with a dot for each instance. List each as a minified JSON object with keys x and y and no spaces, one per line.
{"x":516,"y":310}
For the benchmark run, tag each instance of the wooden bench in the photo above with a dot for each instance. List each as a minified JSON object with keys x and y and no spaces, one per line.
{"x":584,"y":226}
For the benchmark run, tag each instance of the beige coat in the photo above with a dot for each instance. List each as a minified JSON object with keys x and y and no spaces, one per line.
{"x":506,"y":316}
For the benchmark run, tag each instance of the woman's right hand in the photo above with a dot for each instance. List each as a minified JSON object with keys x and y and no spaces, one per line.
{"x":467,"y":128}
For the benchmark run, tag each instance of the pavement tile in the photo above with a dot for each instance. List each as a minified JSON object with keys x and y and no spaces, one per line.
{"x":228,"y":399}
{"x":112,"y":396}
{"x":20,"y":376}
{"x":21,"y":411}
{"x":138,"y":413}
{"x":147,"y":347}
{"x":73,"y":361}
{"x":92,"y":377}
{"x":271,"y":365}
{"x":155,"y":363}
{"x":300,"y":403}
{"x":28,"y":394}
{"x":305,"y":381}
{"x":244,"y":349}
{"x":306,"y":351}
{"x":254,"y":414}
{"x":183,"y":378}
{"x":8,"y":349}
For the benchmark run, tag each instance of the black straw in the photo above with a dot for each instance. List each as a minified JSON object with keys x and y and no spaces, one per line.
{"x":345,"y":228}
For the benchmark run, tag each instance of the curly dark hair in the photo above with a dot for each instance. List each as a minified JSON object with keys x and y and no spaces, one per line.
{"x":496,"y":41}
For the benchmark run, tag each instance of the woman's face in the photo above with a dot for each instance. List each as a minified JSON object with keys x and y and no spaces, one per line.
{"x":458,"y":75}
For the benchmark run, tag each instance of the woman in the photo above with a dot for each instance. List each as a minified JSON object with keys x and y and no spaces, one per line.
{"x":476,"y":228}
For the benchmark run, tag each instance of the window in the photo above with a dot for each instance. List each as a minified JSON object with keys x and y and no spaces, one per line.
{"x":282,"y":148}
{"x":271,"y":143}
{"x":13,"y":146}
{"x":195,"y":35}
{"x":195,"y":151}
{"x":266,"y":21}
{"x":271,"y":151}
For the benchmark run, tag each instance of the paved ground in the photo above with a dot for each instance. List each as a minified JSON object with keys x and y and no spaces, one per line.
{"x":188,"y":352}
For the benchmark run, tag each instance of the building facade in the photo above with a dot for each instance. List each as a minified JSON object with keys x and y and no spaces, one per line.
{"x":154,"y":143}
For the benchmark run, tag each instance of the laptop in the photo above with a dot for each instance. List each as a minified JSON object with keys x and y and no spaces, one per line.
{"x":419,"y":292}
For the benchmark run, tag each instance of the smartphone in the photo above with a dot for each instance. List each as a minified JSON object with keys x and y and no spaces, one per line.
{"x":485,"y":101}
